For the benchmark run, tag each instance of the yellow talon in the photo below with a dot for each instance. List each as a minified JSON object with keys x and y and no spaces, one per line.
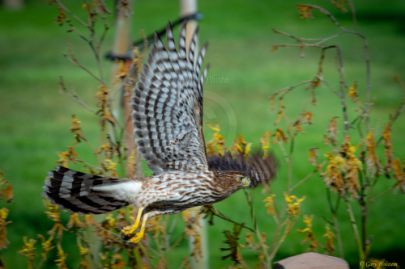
{"x":139,"y":235}
{"x":129,"y":230}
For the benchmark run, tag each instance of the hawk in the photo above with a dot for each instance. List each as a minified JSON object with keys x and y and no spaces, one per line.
{"x":167,"y":118}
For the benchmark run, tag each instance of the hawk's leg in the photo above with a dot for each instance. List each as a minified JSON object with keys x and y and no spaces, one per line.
{"x":139,"y":235}
{"x":130,"y":230}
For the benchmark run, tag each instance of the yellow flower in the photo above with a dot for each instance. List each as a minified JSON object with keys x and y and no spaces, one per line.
{"x":6,"y":189}
{"x":279,"y":136}
{"x":352,"y":92}
{"x":342,"y":169}
{"x":217,"y":144}
{"x":74,"y":221}
{"x":61,"y":258}
{"x":241,"y":146}
{"x":265,"y":142}
{"x":109,"y":222}
{"x":330,"y":137}
{"x":308,"y":221}
{"x":210,"y":148}
{"x":52,"y":211}
{"x":104,"y":148}
{"x":293,"y":204}
{"x":3,"y":214}
{"x":76,"y":129}
{"x":28,"y":249}
{"x":215,"y":128}
{"x":269,"y":204}
{"x":3,"y":230}
{"x":312,"y":156}
{"x":88,"y":219}
{"x":297,"y":126}
{"x":220,"y":142}
{"x":305,"y":11}
{"x":309,"y":233}
{"x":47,"y":245}
{"x":373,"y":164}
{"x":104,"y":107}
{"x":399,"y":174}
{"x":83,"y":251}
{"x":307,"y":115}
{"x":330,"y":238}
{"x":66,"y":156}
{"x":110,"y":166}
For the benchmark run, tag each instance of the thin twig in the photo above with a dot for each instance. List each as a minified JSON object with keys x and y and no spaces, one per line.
{"x":303,"y":180}
{"x":342,"y":88}
{"x":356,"y":233}
{"x":75,"y":96}
{"x":288,"y":226}
{"x":73,"y":60}
{"x":77,"y":18}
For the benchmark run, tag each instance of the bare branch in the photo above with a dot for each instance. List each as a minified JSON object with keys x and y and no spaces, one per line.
{"x":74,"y":95}
{"x":76,"y":62}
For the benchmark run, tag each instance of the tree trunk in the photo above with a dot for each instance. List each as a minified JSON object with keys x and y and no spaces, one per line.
{"x":122,"y":43}
{"x":121,"y":46}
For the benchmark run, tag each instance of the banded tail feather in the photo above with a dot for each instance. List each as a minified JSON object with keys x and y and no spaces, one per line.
{"x":258,"y":168}
{"x":90,"y":194}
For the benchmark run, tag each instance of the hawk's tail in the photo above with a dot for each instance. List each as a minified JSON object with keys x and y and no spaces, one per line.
{"x":85,"y":193}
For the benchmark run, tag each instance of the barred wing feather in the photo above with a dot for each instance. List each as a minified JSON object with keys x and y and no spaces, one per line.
{"x":167,"y":106}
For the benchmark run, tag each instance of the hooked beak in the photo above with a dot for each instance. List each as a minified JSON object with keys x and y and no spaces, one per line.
{"x":245,"y":182}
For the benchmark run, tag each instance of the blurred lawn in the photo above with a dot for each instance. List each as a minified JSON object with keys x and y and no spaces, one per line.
{"x":35,"y":116}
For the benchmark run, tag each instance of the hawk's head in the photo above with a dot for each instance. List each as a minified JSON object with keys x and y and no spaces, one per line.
{"x":228,"y":182}
{"x":243,"y":171}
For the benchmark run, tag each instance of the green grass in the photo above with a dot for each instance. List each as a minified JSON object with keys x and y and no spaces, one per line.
{"x":35,"y":116}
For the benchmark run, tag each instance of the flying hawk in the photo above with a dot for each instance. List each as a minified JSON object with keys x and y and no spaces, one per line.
{"x":167,"y":118}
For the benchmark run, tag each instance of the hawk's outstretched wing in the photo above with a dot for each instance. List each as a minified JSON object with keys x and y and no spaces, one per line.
{"x":167,"y":105}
